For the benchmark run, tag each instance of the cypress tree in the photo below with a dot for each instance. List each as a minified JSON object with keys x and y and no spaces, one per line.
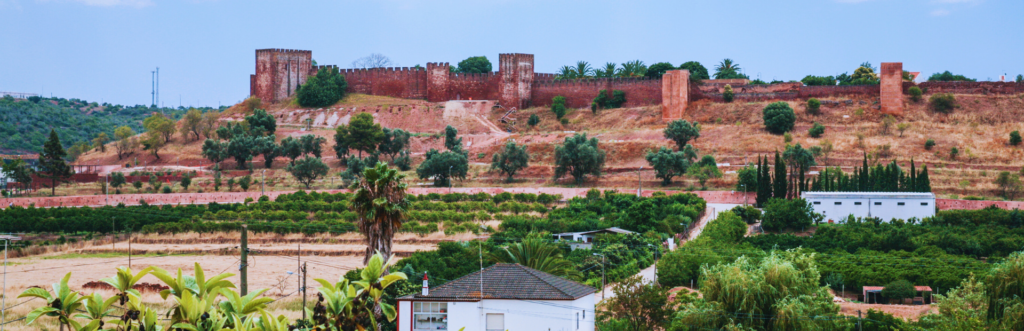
{"x":923,"y":184}
{"x":912,"y":185}
{"x":51,"y":162}
{"x":865,"y":177}
{"x":763,"y":181}
{"x":779,"y":191}
{"x":803,"y":185}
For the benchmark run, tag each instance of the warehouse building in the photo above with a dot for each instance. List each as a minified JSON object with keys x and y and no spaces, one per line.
{"x":883,"y":205}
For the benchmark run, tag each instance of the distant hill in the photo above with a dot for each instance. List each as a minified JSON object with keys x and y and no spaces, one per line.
{"x":25,"y":123}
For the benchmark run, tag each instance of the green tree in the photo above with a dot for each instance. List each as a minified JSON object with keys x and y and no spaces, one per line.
{"x":727,"y":69}
{"x":899,"y":290}
{"x":138,"y":185}
{"x":215,"y":151}
{"x":942,"y":102}
{"x":658,"y":69}
{"x":667,"y":164}
{"x":579,"y":157}
{"x":306,"y":170}
{"x":291,"y":148}
{"x":816,"y":130}
{"x":186,"y":181}
{"x":534,"y":120}
{"x":100,"y":142}
{"x":915,"y":93}
{"x":260,"y":122}
{"x":364,"y":134}
{"x":452,"y":142}
{"x":245,"y":181}
{"x":778,"y":117}
{"x":811,"y":80}
{"x":779,"y":181}
{"x":1009,"y":184}
{"x":697,"y":71}
{"x":928,"y":144}
{"x":510,"y":160}
{"x":51,"y":163}
{"x":191,"y":123}
{"x":442,"y":166}
{"x":1015,"y":138}
{"x":947,"y":76}
{"x":704,"y":172}
{"x":475,"y":65}
{"x":323,"y":89}
{"x":380,"y":202}
{"x":558,"y":106}
{"x":117,"y":179}
{"x":537,"y":254}
{"x":19,"y":171}
{"x":160,"y":124}
{"x":644,"y":306}
{"x":681,"y":132}
{"x":813,"y":106}
{"x":312,"y":144}
{"x":747,"y":178}
{"x":635,"y":68}
{"x":341,"y":141}
{"x":125,"y":143}
{"x":270,"y":150}
{"x":395,"y":141}
{"x":781,"y":214}
{"x":727,"y":94}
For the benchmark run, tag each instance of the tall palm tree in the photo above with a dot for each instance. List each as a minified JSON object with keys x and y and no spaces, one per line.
{"x":566,"y":72}
{"x":537,"y":254}
{"x":380,"y":202}
{"x":609,"y":70}
{"x":635,"y":68}
{"x":726,"y":68}
{"x":583,"y":70}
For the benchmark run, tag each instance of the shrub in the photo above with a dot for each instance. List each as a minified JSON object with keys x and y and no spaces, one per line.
{"x":948,"y":77}
{"x":727,"y":95}
{"x":928,"y":144}
{"x":593,"y":107}
{"x":899,"y":290}
{"x":778,"y":117}
{"x":953,"y":152}
{"x":813,"y":106}
{"x":817,"y":130}
{"x":811,"y":80}
{"x":618,"y":98}
{"x":323,"y":89}
{"x":748,"y":214}
{"x":564,"y":121}
{"x":788,"y":138}
{"x":534,"y":120}
{"x":167,"y":189}
{"x":1015,"y":138}
{"x":558,"y":106}
{"x":781,"y":214}
{"x":915,"y":94}
{"x":942,"y":102}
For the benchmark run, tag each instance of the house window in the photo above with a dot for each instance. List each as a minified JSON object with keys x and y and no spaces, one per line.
{"x":900,"y":203}
{"x":839,"y":203}
{"x":817,"y":202}
{"x":924,"y":203}
{"x":856,"y":203}
{"x":495,"y":322}
{"x":878,"y":203}
{"x":430,"y":315}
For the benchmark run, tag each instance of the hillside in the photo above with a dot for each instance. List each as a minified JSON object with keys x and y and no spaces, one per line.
{"x":25,"y":123}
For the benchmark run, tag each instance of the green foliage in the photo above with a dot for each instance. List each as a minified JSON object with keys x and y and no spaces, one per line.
{"x":640,"y":305}
{"x":244,"y":183}
{"x":942,"y":102}
{"x":703,"y":171}
{"x":816,"y":130}
{"x":727,"y":69}
{"x":928,"y":144}
{"x":579,"y":157}
{"x":748,"y":214}
{"x":306,"y":170}
{"x":51,"y":163}
{"x":727,"y":94}
{"x":602,"y":100}
{"x":658,"y":69}
{"x":947,"y":76}
{"x":260,"y":122}
{"x":681,"y":132}
{"x":697,"y":71}
{"x":395,"y":141}
{"x":323,"y":89}
{"x":452,"y":142}
{"x":747,"y":179}
{"x":667,"y":164}
{"x":782,"y":214}
{"x":442,"y":166}
{"x":363,"y":134}
{"x":899,"y":290}
{"x":778,"y":117}
{"x":558,"y":106}
{"x":475,"y":65}
{"x":811,"y":80}
{"x":510,"y":159}
{"x":813,"y":106}
{"x":185,"y":182}
{"x":915,"y":93}
{"x":536,"y":254}
{"x":1015,"y":138}
{"x":534,"y":120}
{"x":20,"y":171}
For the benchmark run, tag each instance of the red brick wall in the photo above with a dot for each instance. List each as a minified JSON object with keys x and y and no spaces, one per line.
{"x":278,"y":72}
{"x":437,"y":81}
{"x":892,"y":88}
{"x":826,"y":91}
{"x":408,"y":83}
{"x":580,"y":93}
{"x":516,"y":80}
{"x":473,"y":86}
{"x":968,"y":87}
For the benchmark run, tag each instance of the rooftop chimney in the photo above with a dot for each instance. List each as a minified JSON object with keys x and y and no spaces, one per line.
{"x":426,"y":287}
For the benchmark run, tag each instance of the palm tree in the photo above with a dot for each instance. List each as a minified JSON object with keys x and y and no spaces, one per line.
{"x":380,"y":202}
{"x":609,"y":71}
{"x":635,"y":68}
{"x":566,"y":72}
{"x":725,"y":69}
{"x":583,"y":70}
{"x":61,"y":304}
{"x":537,"y":254}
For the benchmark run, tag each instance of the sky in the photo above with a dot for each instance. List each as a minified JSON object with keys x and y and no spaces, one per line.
{"x":105,"y":50}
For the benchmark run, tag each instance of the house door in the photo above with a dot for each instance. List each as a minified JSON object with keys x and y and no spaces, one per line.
{"x":495,"y":322}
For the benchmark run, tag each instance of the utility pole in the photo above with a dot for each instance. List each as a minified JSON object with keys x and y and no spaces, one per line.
{"x":860,"y":322}
{"x":3,"y":300}
{"x":639,"y":184}
{"x":244,"y":266}
{"x":129,"y":247}
{"x":113,"y":233}
{"x":303,"y":289}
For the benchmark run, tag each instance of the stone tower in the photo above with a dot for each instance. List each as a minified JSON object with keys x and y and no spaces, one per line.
{"x":516,"y":80}
{"x":279,"y":72}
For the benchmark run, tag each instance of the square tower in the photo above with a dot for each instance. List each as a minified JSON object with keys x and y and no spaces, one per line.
{"x":892,"y":88}
{"x":279,"y":72}
{"x":516,"y":84}
{"x":675,"y":94}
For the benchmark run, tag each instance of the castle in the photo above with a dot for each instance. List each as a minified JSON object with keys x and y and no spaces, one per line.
{"x":279,"y":72}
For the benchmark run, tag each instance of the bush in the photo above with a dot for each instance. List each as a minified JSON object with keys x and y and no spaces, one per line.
{"x":928,"y":144}
{"x":558,"y":106}
{"x":948,"y":77}
{"x":1015,"y":138}
{"x":167,"y":189}
{"x":811,"y":80}
{"x":323,"y":89}
{"x":534,"y":120}
{"x":779,"y":117}
{"x":564,"y":121}
{"x":748,"y":214}
{"x":817,"y":130}
{"x":953,"y":153}
{"x":942,"y":102}
{"x":727,"y":95}
{"x":813,"y":106}
{"x":618,"y":98}
{"x":781,"y":214}
{"x":915,"y":94}
{"x":788,"y":138}
{"x":899,"y":290}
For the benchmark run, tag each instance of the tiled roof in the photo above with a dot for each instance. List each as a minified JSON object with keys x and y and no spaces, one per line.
{"x":508,"y":281}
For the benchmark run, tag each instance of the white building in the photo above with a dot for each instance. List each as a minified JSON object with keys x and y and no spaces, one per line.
{"x":585,"y":239}
{"x":883,"y":205}
{"x":514,"y":298}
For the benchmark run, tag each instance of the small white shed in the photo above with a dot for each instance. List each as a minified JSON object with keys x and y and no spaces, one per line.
{"x":883,"y":205}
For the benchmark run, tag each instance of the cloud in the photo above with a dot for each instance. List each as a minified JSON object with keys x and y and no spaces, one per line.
{"x":111,"y":3}
{"x":939,"y":12}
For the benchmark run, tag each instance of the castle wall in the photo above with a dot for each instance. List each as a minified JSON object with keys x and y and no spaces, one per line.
{"x":675,"y":94}
{"x":892,"y":88}
{"x":968,"y":87}
{"x":279,"y":72}
{"x":579,"y":93}
{"x":407,"y":83}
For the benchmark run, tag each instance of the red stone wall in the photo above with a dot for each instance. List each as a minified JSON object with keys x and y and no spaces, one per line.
{"x":408,"y":83}
{"x":675,"y":94}
{"x":580,"y":93}
{"x":892,"y":88}
{"x":516,"y":80}
{"x":827,"y":91}
{"x":968,"y":87}
{"x":437,"y":81}
{"x":279,"y":72}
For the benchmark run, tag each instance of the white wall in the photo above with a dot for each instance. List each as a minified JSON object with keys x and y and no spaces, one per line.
{"x":519,"y":315}
{"x":882,"y":208}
